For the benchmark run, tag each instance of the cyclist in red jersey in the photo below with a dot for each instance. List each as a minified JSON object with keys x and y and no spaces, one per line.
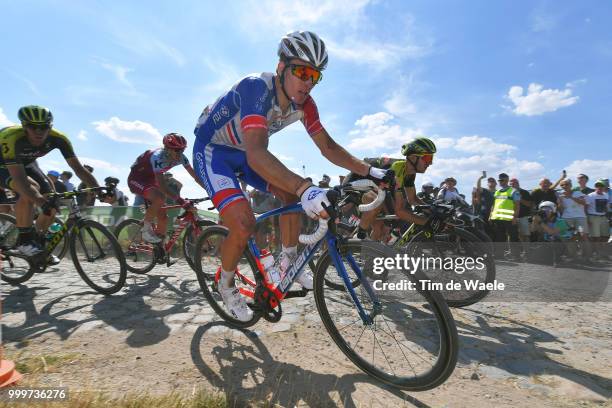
{"x":146,"y":179}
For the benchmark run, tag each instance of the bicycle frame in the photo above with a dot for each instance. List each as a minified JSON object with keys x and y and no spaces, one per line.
{"x":296,"y":268}
{"x":189,"y":218}
{"x":70,"y":226}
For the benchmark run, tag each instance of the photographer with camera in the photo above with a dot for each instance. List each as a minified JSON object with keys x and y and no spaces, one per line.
{"x":549,"y":227}
{"x":116,"y":198}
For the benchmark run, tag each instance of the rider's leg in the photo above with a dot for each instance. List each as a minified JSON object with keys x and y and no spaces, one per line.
{"x":24,"y":213}
{"x":289,"y":223}
{"x":162,"y":221}
{"x":155,"y":199}
{"x":368,"y":218}
{"x":240,"y":221}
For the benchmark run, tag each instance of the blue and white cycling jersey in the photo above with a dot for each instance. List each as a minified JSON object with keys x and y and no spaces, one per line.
{"x":251,"y":104}
{"x":218,"y":153}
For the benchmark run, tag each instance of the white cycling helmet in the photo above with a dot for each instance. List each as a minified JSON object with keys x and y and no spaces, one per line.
{"x":547,"y":204}
{"x":304,"y":45}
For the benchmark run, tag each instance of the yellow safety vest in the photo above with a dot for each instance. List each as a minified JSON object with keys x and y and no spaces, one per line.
{"x":503,"y":209}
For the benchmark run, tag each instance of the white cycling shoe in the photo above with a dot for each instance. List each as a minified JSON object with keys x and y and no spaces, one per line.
{"x":235,"y":304}
{"x":305,"y":279}
{"x":149,"y":236}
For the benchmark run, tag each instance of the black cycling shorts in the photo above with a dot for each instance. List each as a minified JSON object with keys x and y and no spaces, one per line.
{"x":33,"y":171}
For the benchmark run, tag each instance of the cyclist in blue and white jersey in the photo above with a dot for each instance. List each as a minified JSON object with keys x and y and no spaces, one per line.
{"x":232,"y":142}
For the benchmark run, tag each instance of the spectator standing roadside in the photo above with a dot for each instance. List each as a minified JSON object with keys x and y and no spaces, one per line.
{"x":524,"y":213}
{"x":174,"y":186}
{"x":427,"y":193}
{"x":484,"y":199}
{"x":65,"y":177}
{"x":544,"y":193}
{"x":324,"y":183}
{"x":572,"y":208}
{"x":504,"y":217}
{"x":117,"y":199}
{"x":583,"y":179}
{"x":54,"y":177}
{"x":448,"y":192}
{"x":598,"y":203}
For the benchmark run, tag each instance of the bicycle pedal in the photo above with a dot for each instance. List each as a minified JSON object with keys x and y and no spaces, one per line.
{"x":297,"y":293}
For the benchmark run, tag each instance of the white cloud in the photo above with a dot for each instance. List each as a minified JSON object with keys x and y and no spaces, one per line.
{"x":102,"y":165}
{"x":479,"y":144}
{"x":145,"y":43}
{"x":119,"y":71}
{"x":344,"y":25}
{"x":467,"y":170}
{"x":593,"y":168}
{"x":373,"y":132}
{"x":541,"y":22}
{"x":377,"y":53}
{"x":399,"y":104}
{"x":129,"y":132}
{"x":443,"y":142}
{"x":574,"y":84}
{"x":82,"y":135}
{"x":283,"y":158}
{"x":4,"y":121}
{"x":538,"y":100}
{"x":30,"y":84}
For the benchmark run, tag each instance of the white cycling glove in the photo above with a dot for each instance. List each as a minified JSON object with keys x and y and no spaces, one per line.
{"x":377,"y":173}
{"x":312,"y":201}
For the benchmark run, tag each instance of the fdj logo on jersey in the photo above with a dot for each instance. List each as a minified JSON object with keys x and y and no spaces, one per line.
{"x":313,"y":194}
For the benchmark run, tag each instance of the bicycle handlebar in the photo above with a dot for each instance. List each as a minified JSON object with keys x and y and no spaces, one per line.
{"x":320,"y":232}
{"x":70,"y":194}
{"x":366,"y":184}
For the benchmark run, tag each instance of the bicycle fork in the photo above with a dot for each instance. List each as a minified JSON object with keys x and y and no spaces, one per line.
{"x":368,"y":319}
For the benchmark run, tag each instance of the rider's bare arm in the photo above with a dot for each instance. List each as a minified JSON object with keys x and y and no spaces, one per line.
{"x":193,"y":175}
{"x":21,"y":184}
{"x":81,"y":172}
{"x":268,"y":166}
{"x":413,"y":199}
{"x":336,"y":154}
{"x":404,"y":214}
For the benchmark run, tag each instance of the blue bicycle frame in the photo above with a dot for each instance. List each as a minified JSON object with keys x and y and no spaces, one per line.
{"x":306,"y":255}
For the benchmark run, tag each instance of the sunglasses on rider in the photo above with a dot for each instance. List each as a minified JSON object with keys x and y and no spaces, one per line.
{"x":427,"y":158}
{"x":305,"y":73}
{"x":39,"y":128}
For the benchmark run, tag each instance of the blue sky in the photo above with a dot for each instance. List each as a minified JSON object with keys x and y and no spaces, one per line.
{"x":520,"y":87}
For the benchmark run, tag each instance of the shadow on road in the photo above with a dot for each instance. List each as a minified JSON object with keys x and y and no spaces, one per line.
{"x":245,"y":370}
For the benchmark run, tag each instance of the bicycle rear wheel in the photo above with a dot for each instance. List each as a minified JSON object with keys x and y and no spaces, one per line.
{"x":139,"y":254}
{"x":411,"y":342}
{"x":207,"y":266}
{"x":97,"y":257}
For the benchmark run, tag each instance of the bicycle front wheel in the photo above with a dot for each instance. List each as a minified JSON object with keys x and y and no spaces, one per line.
{"x":97,"y":257}
{"x":139,"y":254}
{"x":207,"y":268}
{"x":411,"y":341}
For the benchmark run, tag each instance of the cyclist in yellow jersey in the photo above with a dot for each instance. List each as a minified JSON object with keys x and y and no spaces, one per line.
{"x":419,"y":154}
{"x":20,"y":146}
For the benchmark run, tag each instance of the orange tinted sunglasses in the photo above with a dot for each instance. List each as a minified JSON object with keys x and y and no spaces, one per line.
{"x":427,"y":158}
{"x":305,"y":73}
